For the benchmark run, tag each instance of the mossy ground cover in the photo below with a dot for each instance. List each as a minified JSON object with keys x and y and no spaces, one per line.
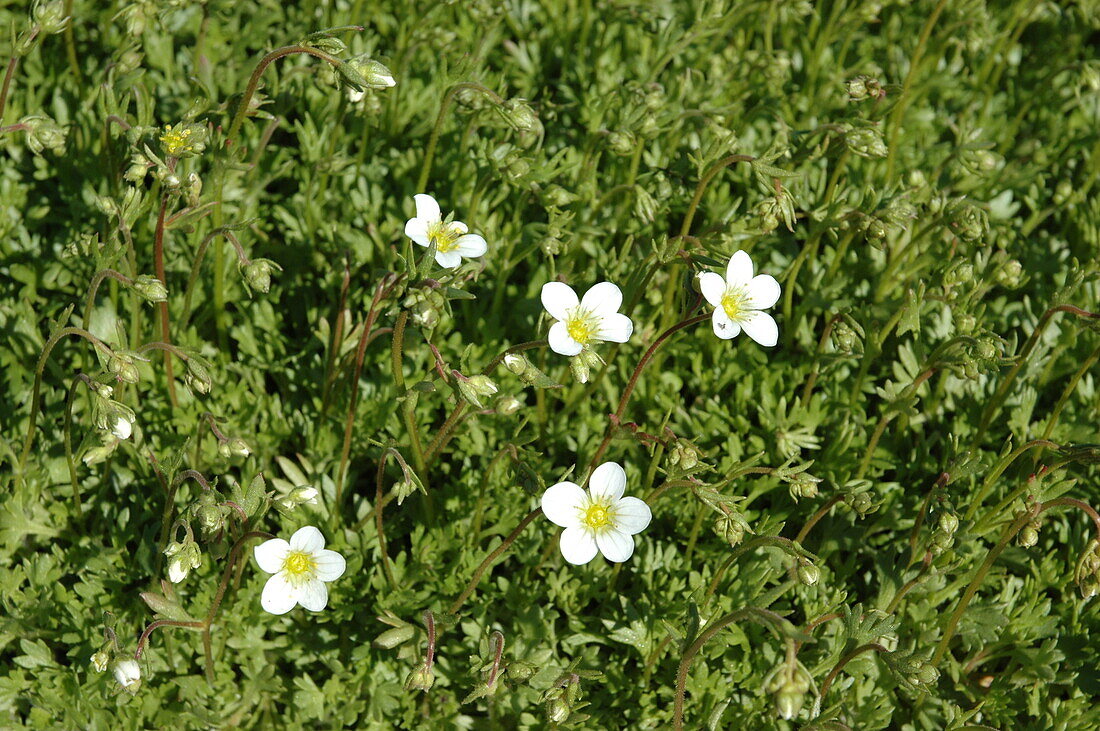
{"x":226,"y":319}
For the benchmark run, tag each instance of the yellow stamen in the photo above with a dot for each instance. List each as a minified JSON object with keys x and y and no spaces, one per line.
{"x":596,"y":516}
{"x":582,"y":325}
{"x":299,"y":565}
{"x":733,"y":302}
{"x":444,"y":234}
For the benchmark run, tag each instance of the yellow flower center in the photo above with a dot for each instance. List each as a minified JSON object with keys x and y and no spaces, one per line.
{"x":734,"y":302}
{"x":582,"y":325}
{"x":444,"y":234}
{"x":299,"y":565}
{"x":596,"y":516}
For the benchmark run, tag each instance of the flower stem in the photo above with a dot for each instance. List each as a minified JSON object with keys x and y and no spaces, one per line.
{"x":89,"y":303}
{"x":36,"y":392}
{"x":379,"y":505}
{"x":493,"y":555}
{"x":786,"y":544}
{"x":80,"y":378}
{"x":396,"y":349}
{"x":885,"y":419}
{"x":158,"y":261}
{"x":997,"y":471}
{"x":200,"y":254}
{"x":448,"y":97}
{"x":763,"y":616}
{"x":828,"y":682}
{"x":821,"y":513}
{"x":1002,"y":390}
{"x":10,"y":72}
{"x":633,"y":382}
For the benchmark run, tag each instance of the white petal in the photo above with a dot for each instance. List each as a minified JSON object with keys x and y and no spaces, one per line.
{"x":763,"y":292}
{"x":607,"y":481}
{"x":271,"y":554}
{"x":632,"y":515}
{"x":577,"y":546}
{"x":724,"y":327}
{"x":458,"y":227}
{"x":313,"y":595}
{"x":307,"y":539}
{"x":470,"y":245}
{"x":330,"y":565}
{"x":448,"y":259}
{"x":713,"y":286}
{"x":761,"y":327}
{"x":615,"y":545}
{"x":615,"y":328}
{"x":739,"y":270}
{"x":561,"y":342}
{"x":561,"y":503}
{"x":122,"y":429}
{"x":417,"y":230}
{"x":426,"y":208}
{"x":279,"y":595}
{"x":558,"y":298}
{"x":604,"y":299}
{"x":176,"y":572}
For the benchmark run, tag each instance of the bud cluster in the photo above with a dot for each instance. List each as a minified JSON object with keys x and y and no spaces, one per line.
{"x":1087,"y":573}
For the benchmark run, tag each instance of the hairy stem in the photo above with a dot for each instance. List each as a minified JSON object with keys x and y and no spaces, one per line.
{"x":489,"y":559}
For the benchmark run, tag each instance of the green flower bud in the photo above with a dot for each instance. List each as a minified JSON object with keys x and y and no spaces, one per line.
{"x":150,"y":288}
{"x":508,"y":405}
{"x":866,"y":142}
{"x":948,"y":522}
{"x":1010,"y":275}
{"x":198,"y":377}
{"x":645,"y":205}
{"x":391,"y":638}
{"x":863,"y":87}
{"x":257,"y":274}
{"x":517,"y":363}
{"x":558,"y":710}
{"x":422,"y":678}
{"x":808,"y":574}
{"x":182,"y":557}
{"x":788,"y":703}
{"x":555,"y":195}
{"x":44,"y":134}
{"x":371,"y":74}
{"x":472,"y":389}
{"x":860,"y":502}
{"x":520,"y":116}
{"x":941,"y":541}
{"x":122,"y":367}
{"x":803,"y":486}
{"x":621,"y":143}
{"x":729,"y":530}
{"x":684,"y":455}
{"x":1029,"y":536}
{"x":50,"y":16}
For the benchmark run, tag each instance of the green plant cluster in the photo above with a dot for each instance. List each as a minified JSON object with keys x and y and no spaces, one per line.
{"x":215,"y":331}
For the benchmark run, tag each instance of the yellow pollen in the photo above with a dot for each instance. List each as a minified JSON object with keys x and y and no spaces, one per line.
{"x":299,"y":565}
{"x":176,"y":140}
{"x":596,"y":516}
{"x":444,"y":234}
{"x":733,"y":302}
{"x":581,"y":326}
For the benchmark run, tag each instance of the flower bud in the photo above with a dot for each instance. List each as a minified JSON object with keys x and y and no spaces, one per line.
{"x":941,"y":541}
{"x":101,"y":659}
{"x":808,"y":574}
{"x":516,"y":363}
{"x":508,"y":405}
{"x":621,"y":143}
{"x":645,"y":205}
{"x":472,"y":389}
{"x":844,"y":338}
{"x":422,"y":678}
{"x":101,"y":390}
{"x":122,"y":428}
{"x":729,"y":530}
{"x":684,"y":455}
{"x":44,"y":134}
{"x":210,"y":515}
{"x":803,"y":486}
{"x":1062,"y":192}
{"x":860,"y":502}
{"x":948,"y":522}
{"x":1029,"y":536}
{"x":95,"y":455}
{"x":863,"y":87}
{"x":238,"y":447}
{"x":257,"y":274}
{"x":558,"y":710}
{"x":128,"y":674}
{"x":50,"y":16}
{"x":1009,"y":275}
{"x":372,"y":74}
{"x":555,"y":195}
{"x":520,"y":116}
{"x":198,"y":377}
{"x":150,"y":288}
{"x":966,"y":323}
{"x":304,"y":494}
{"x":788,"y":703}
{"x":866,"y":142}
{"x":182,"y":557}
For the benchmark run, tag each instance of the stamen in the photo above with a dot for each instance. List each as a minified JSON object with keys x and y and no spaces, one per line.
{"x":582,"y":325}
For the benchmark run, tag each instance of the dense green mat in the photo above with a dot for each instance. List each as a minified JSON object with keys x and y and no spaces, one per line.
{"x":285,"y":447}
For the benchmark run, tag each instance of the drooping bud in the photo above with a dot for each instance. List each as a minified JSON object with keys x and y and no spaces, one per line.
{"x":182,"y":557}
{"x":508,"y":405}
{"x":474,"y":388}
{"x":422,"y":678}
{"x":520,"y":116}
{"x":808,"y":574}
{"x":44,"y":134}
{"x":150,"y":288}
{"x":257,"y":274}
{"x":621,"y":142}
{"x":128,"y":674}
{"x":101,"y":659}
{"x":198,"y":377}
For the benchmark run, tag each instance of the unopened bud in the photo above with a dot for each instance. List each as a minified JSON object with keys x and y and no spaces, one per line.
{"x":516,"y":363}
{"x":44,"y":134}
{"x":865,"y":142}
{"x":182,"y":557}
{"x":257,"y":274}
{"x":558,"y":710}
{"x":422,"y":678}
{"x":128,"y":674}
{"x":508,"y":405}
{"x":122,"y":428}
{"x":520,"y":116}
{"x":1009,"y":274}
{"x":731,"y":531}
{"x":621,"y":142}
{"x":366,"y":72}
{"x":808,"y":574}
{"x":578,"y":366}
{"x":645,"y":205}
{"x":101,"y":660}
{"x":1029,"y":536}
{"x":948,"y":522}
{"x":150,"y":288}
{"x":198,"y":377}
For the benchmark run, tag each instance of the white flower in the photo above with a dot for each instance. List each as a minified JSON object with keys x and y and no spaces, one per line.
{"x":122,"y":428}
{"x":738,"y":300}
{"x":599,"y":519}
{"x":301,"y":568}
{"x":128,"y":674}
{"x":593,"y":318}
{"x":452,"y":243}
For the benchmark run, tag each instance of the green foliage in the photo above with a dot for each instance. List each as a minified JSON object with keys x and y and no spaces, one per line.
{"x":211,"y":248}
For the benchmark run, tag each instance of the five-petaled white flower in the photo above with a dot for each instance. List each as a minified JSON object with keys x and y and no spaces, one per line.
{"x":599,"y":519}
{"x":593,"y":318}
{"x":452,"y":243}
{"x":301,"y":568}
{"x":738,"y":300}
